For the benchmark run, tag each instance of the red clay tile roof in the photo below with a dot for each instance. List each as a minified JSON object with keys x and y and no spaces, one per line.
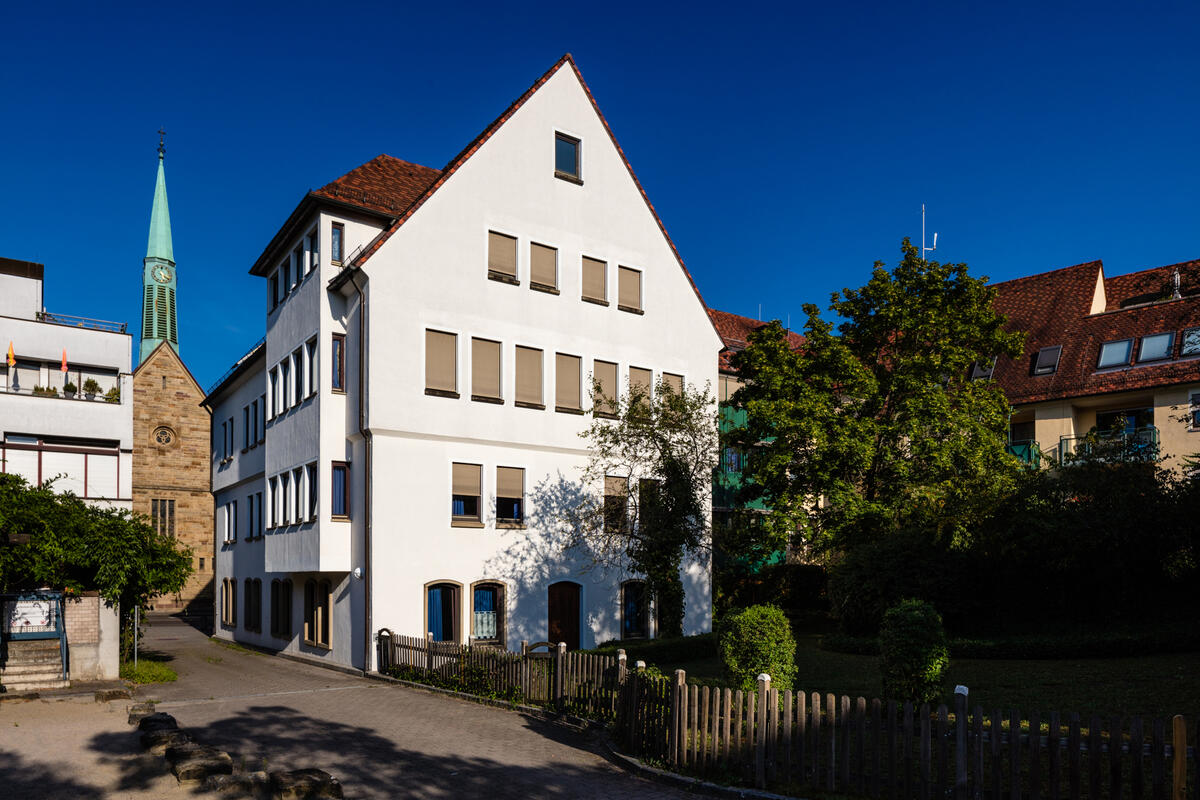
{"x":384,"y":184}
{"x":1053,"y":308}
{"x":735,"y":332}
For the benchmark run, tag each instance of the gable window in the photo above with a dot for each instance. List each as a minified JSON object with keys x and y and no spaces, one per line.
{"x":635,"y":610}
{"x":502,"y":257}
{"x":487,"y":612}
{"x":441,"y":366}
{"x":629,"y":289}
{"x":1156,"y":347}
{"x":1115,"y":354}
{"x":529,"y":377}
{"x":566,"y":157}
{"x":338,"y":360}
{"x":595,"y":286}
{"x":510,"y":496}
{"x":339,"y":484}
{"x":485,"y":370}
{"x":316,"y":613}
{"x":673,"y":383}
{"x":281,"y":609}
{"x":543,"y":267}
{"x":336,"y":242}
{"x":466,"y":480}
{"x":640,"y":383}
{"x":616,"y":504}
{"x":1046,"y":362}
{"x":566,"y":384}
{"x":604,"y":400}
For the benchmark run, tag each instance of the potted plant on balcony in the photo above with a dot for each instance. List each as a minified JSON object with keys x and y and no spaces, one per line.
{"x":91,"y":388}
{"x":113,"y":395}
{"x":70,"y":389}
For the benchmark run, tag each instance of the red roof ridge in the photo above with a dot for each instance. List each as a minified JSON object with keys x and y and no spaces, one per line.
{"x":1098,"y":263}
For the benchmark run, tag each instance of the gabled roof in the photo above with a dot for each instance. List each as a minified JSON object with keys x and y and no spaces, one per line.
{"x":1054,"y":308}
{"x":735,"y":332}
{"x":179,"y":359}
{"x":478,"y":142}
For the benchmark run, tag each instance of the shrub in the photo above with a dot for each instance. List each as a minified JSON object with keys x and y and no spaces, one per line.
{"x":758,"y":639}
{"x":913,"y":653}
{"x":91,"y":386}
{"x":113,"y":395}
{"x":70,"y":389}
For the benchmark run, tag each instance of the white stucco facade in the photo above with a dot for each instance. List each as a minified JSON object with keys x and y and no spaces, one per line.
{"x":398,"y":442}
{"x":83,"y":442}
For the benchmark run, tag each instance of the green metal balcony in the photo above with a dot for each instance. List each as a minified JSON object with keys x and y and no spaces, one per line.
{"x":1131,"y":444}
{"x":1027,"y":452}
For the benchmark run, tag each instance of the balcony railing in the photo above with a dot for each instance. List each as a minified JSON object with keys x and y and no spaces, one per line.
{"x":81,"y":322}
{"x":1027,"y":452}
{"x":1140,"y":444}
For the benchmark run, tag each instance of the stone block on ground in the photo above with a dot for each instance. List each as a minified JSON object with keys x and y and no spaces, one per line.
{"x":107,"y":695}
{"x":302,"y":784}
{"x":139,"y":711}
{"x":255,"y":785}
{"x":157,"y":721}
{"x":193,"y":762}
{"x":158,"y":741}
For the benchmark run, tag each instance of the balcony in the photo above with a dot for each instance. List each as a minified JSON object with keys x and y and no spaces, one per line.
{"x":1132,"y":444}
{"x":1027,"y":452}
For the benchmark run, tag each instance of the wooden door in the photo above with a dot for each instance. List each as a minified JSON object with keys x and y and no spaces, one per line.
{"x":564,"y":613}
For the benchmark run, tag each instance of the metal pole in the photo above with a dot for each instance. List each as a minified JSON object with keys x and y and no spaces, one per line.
{"x":137,"y":610}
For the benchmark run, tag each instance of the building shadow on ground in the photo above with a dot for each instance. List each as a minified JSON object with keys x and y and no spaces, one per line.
{"x":34,"y":781}
{"x":370,"y":765}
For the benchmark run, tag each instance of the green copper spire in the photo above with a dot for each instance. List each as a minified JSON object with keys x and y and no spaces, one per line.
{"x":159,"y":282}
{"x":159,"y":243}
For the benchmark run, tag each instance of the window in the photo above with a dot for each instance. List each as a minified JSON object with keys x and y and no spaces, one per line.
{"x":629,"y":289}
{"x":441,"y":612}
{"x":310,"y":348}
{"x":604,"y":400}
{"x":273,"y":385}
{"x":566,"y":157}
{"x":229,"y":602}
{"x":246,"y":427}
{"x":485,"y":370}
{"x":285,"y":385}
{"x":529,"y":377}
{"x":983,"y":370}
{"x":616,"y":504}
{"x":487,"y":612}
{"x":229,"y":439}
{"x":640,"y":383}
{"x":441,"y":366}
{"x":635,"y":610}
{"x":510,"y":495}
{"x":566,"y":383}
{"x":273,"y":290}
{"x":316,"y":613}
{"x":281,"y":609}
{"x":336,"y":242}
{"x":262,"y":418}
{"x":543,"y":267}
{"x":727,"y":385}
{"x":1194,"y":411}
{"x":162,"y":517}
{"x":339,"y":484}
{"x":314,"y":250}
{"x":1115,"y":354}
{"x":1156,"y":347}
{"x":272,"y":500}
{"x":1190,"y":343}
{"x":285,"y":498}
{"x":258,"y":502}
{"x":298,"y":259}
{"x":465,"y":491}
{"x":673,"y":383}
{"x":595,"y":287}
{"x":251,"y":518}
{"x":732,"y":460}
{"x":338,"y":362}
{"x":231,"y":532}
{"x":252,"y":588}
{"x":253,"y":427}
{"x":298,"y":376}
{"x":502,"y":257}
{"x":286,"y":269}
{"x":312,"y":491}
{"x":1046,"y":362}
{"x":298,"y":494}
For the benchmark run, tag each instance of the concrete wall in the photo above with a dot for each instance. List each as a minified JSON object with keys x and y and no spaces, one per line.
{"x":93,"y":638}
{"x":20,"y":297}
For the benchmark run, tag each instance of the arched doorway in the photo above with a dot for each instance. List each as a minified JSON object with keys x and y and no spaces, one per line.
{"x":563,"y":603}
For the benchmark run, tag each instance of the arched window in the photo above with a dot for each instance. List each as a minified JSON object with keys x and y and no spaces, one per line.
{"x":442,"y":604}
{"x":563,"y":604}
{"x":487,"y":612}
{"x":316,"y":613}
{"x":281,"y":608}
{"x":229,"y":602}
{"x":635,"y":610}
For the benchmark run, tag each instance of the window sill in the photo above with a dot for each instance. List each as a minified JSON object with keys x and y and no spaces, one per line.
{"x":480,"y":398}
{"x":523,"y":404}
{"x":511,"y":525}
{"x":594,"y":300}
{"x":465,"y":523}
{"x":503,"y":277}
{"x":565,"y":410}
{"x":339,"y":517}
{"x":336,"y":390}
{"x":541,"y":287}
{"x":317,"y":645}
{"x":568,"y":177}
{"x":604,"y":415}
{"x":442,"y":393}
{"x":630,"y":309}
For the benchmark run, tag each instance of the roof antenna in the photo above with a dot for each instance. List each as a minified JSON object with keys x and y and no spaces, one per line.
{"x":925,"y":249}
{"x":760,"y":312}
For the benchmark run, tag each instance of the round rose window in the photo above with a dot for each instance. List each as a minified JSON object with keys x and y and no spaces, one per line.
{"x":164,"y":436}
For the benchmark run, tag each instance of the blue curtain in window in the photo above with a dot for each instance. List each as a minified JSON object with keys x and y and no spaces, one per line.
{"x":435,"y":615}
{"x":459,"y":508}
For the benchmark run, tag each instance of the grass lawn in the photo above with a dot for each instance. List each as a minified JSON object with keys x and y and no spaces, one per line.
{"x":151,"y":668}
{"x":1152,"y":685}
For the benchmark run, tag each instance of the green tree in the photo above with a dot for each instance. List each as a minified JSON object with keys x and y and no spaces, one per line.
{"x":664,"y":447}
{"x":874,"y":426}
{"x":58,"y":540}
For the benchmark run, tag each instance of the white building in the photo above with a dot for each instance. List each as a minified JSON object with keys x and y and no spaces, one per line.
{"x":83,"y":440}
{"x":389,"y":457}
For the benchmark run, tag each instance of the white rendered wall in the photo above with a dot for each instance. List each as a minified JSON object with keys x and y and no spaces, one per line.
{"x":20,"y":297}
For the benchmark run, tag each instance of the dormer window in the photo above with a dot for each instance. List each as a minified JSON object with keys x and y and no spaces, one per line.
{"x":982,"y":370}
{"x":1047,"y":360}
{"x":1156,"y":347}
{"x":566,"y":157}
{"x":1115,"y":354}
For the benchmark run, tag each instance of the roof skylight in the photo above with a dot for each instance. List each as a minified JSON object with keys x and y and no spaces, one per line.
{"x":1115,"y":354}
{"x":1047,"y":360}
{"x":1156,"y":347}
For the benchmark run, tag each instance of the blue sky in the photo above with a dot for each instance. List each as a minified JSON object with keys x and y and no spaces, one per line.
{"x":786,"y":147}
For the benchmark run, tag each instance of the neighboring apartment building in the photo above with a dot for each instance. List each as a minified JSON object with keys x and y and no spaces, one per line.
{"x":397,"y":451}
{"x":83,"y":439}
{"x":1102,"y":352}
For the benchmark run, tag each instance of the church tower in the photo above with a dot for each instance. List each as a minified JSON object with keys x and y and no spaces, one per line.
{"x":158,"y":272}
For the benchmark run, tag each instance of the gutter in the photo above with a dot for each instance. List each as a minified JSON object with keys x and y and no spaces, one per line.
{"x":365,"y":430}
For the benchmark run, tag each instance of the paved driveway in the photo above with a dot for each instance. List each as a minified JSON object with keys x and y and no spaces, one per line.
{"x":380,"y":740}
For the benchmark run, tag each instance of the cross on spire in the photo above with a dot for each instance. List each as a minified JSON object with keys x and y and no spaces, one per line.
{"x":162,"y":148}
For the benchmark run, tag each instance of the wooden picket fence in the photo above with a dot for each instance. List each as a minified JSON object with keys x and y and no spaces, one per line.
{"x":798,"y":741}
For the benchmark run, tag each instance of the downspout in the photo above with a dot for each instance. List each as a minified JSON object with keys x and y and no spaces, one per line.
{"x":365,"y":431}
